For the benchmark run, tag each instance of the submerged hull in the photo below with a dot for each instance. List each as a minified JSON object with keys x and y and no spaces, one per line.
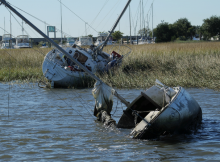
{"x":182,"y":114}
{"x":60,"y":76}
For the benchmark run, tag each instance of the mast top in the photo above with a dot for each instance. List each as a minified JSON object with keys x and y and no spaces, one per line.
{"x":114,"y":26}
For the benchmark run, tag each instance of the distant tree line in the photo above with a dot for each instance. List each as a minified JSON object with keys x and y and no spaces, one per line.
{"x":182,"y":29}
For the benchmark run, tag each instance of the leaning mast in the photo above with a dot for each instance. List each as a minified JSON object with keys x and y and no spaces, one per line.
{"x":113,"y":28}
{"x":62,"y":50}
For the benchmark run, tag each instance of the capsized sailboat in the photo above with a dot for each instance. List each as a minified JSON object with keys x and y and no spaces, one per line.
{"x":161,"y":110}
{"x":62,"y":72}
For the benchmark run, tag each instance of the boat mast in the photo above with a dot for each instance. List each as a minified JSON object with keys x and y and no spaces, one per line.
{"x":147,"y":28}
{"x":10,"y":41}
{"x":130,"y":21}
{"x":85,"y":29}
{"x":143,"y":22}
{"x":61,"y":23}
{"x":4,"y":25}
{"x":140,"y":18}
{"x":152,"y":24}
{"x":61,"y":49}
{"x":22,"y":28}
{"x":113,"y":28}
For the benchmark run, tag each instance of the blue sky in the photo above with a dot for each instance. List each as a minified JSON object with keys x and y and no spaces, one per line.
{"x":49,"y":11}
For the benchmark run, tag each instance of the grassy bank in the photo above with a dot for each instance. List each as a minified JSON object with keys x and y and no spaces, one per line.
{"x":183,"y":64}
{"x":21,"y":64}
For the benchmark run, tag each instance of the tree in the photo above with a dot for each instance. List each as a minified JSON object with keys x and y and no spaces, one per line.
{"x":211,"y":27}
{"x":182,"y":28}
{"x":117,"y":35}
{"x":90,"y":35}
{"x":191,"y":32}
{"x":163,"y":32}
{"x":155,"y":32}
{"x":198,"y":31}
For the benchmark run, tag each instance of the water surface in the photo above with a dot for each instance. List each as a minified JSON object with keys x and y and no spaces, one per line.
{"x":57,"y":125}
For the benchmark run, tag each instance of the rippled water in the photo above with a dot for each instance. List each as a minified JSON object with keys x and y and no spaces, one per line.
{"x":57,"y":125}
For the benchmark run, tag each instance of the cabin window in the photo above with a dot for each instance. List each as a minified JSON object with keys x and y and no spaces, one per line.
{"x":80,"y":57}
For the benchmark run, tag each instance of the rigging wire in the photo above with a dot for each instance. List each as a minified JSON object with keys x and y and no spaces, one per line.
{"x":108,"y":13}
{"x":43,"y":54}
{"x":76,"y":15}
{"x":66,"y":103}
{"x":41,"y":20}
{"x":50,"y":89}
{"x":149,"y":9}
{"x":81,"y":100}
{"x":111,"y":15}
{"x":145,"y":4}
{"x":21,"y":25}
{"x":9,"y":79}
{"x":136,"y":15}
{"x":26,"y":33}
{"x":49,"y":62}
{"x":98,"y":13}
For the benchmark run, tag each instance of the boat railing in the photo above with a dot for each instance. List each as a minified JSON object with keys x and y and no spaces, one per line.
{"x":52,"y":55}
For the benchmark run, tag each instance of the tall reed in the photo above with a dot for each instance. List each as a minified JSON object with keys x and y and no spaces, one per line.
{"x":183,"y":64}
{"x":21,"y":64}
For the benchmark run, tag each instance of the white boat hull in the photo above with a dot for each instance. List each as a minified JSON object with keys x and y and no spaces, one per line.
{"x":182,"y":114}
{"x":60,"y":76}
{"x":64,"y":73}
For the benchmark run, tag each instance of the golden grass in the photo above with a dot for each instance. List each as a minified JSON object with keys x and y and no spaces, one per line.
{"x":183,"y":64}
{"x":21,"y":64}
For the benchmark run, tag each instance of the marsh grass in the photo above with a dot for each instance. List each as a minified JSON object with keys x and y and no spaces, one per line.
{"x":21,"y":64}
{"x":174,"y":64}
{"x":183,"y":64}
